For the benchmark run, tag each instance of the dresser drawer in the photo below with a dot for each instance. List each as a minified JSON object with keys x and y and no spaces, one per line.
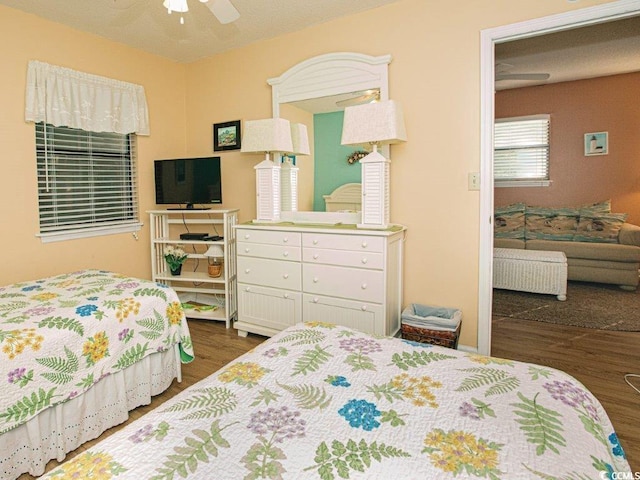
{"x":346,"y":258}
{"x":353,"y":283}
{"x":274,"y":252}
{"x":272,"y":237}
{"x":270,"y":273}
{"x":363,"y":316}
{"x":343,"y":242}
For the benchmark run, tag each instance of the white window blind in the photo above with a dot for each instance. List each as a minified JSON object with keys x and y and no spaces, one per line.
{"x":87,"y":182}
{"x":521,"y":151}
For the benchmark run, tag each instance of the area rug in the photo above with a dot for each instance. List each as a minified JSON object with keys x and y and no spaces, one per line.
{"x":589,"y":305}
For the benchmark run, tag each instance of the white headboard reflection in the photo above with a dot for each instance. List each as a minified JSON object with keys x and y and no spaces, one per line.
{"x":347,"y":197}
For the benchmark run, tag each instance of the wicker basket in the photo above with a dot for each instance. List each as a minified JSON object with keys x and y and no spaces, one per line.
{"x":445,"y":338}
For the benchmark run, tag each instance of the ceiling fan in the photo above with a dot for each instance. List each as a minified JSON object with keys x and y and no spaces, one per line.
{"x":502,"y":73}
{"x":223,"y":10}
{"x":363,"y":96}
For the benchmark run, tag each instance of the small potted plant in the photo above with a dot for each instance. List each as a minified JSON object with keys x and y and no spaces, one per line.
{"x":175,"y":257}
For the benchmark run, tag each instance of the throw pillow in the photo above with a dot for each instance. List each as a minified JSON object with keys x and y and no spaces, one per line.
{"x":600,"y":228}
{"x":551,"y":223}
{"x":599,"y":208}
{"x":508,"y":221}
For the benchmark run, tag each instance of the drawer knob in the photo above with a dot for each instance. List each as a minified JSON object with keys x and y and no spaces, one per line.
{"x":315,"y":242}
{"x":363,"y":286}
{"x":246,"y":235}
{"x":364,"y":244}
{"x":286,"y":254}
{"x":285,"y":239}
{"x":286,"y":295}
{"x":363,"y":308}
{"x":315,"y":279}
{"x":315,"y":256}
{"x":364,"y":260}
{"x":247,"y":270}
{"x":247,"y":289}
{"x":246,"y":250}
{"x":285,"y":276}
{"x":315,"y":299}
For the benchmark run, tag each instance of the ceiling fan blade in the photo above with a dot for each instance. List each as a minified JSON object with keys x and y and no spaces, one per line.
{"x":522,"y":76}
{"x":367,"y":97}
{"x":224,"y":10}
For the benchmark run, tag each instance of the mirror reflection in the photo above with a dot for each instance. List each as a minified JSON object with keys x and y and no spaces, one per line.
{"x":316,"y":92}
{"x":334,"y":165}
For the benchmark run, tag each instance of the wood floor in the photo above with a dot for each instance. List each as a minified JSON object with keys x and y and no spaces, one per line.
{"x":599,"y":359}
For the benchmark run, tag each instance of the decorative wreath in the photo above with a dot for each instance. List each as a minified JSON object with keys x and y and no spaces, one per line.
{"x":356,"y":156}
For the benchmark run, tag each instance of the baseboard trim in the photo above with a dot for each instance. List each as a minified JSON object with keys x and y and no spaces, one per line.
{"x":468,"y":349}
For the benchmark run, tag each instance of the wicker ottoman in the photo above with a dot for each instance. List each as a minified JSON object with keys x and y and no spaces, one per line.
{"x":533,"y":271}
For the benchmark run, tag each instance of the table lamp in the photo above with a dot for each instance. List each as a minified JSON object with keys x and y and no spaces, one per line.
{"x":215,"y":258}
{"x":267,"y":136}
{"x":289,"y":172}
{"x":375,"y":124}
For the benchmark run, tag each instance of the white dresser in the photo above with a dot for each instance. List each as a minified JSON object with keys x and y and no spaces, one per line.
{"x":289,"y":274}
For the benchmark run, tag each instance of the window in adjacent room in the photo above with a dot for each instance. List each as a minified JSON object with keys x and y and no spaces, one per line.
{"x":521,"y":151}
{"x":87,"y":183}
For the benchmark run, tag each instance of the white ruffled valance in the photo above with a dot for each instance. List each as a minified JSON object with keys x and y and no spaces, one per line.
{"x":64,"y":97}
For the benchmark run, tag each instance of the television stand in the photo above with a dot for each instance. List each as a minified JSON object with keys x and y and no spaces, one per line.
{"x":190,"y":209}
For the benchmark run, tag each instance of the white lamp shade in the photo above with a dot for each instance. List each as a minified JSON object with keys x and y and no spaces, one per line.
{"x":300,"y":139}
{"x":380,"y":122}
{"x":214,"y":251}
{"x":179,"y":6}
{"x":268,"y":135}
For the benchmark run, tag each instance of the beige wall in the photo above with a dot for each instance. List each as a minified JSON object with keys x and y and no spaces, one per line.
{"x":26,"y":37}
{"x":434,"y":74}
{"x":594,"y":105}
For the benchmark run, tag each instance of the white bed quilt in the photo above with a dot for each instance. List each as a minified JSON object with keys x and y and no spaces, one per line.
{"x":319,"y":401}
{"x":62,"y":334}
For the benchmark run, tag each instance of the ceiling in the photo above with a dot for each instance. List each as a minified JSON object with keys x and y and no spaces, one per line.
{"x":145,"y":24}
{"x":605,"y":49}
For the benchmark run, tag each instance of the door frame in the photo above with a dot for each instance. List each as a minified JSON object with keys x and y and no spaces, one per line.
{"x":488,"y":38}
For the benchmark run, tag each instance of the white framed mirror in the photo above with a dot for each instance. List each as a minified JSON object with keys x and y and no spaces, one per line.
{"x":324,"y":84}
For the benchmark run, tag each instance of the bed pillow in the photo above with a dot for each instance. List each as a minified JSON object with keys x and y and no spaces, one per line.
{"x":542,"y":223}
{"x":508,"y":221}
{"x":600,"y":208}
{"x":600,"y":228}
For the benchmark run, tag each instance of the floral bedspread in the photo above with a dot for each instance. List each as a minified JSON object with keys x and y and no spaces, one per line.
{"x":62,"y":334}
{"x":319,"y":401}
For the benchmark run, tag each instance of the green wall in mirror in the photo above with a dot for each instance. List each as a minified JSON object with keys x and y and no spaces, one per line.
{"x":331,"y":167}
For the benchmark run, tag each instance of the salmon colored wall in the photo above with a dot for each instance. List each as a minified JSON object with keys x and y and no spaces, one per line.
{"x":26,"y":37}
{"x":439,"y":90}
{"x":585,"y":106}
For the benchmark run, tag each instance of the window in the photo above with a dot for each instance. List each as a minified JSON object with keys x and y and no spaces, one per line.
{"x":87,"y":182}
{"x":521,"y":151}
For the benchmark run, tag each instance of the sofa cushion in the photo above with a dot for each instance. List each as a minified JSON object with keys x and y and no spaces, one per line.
{"x":629,"y":234}
{"x":595,"y":208}
{"x":544,"y":223}
{"x":508,"y":221}
{"x":587,"y":250}
{"x":600,"y":228}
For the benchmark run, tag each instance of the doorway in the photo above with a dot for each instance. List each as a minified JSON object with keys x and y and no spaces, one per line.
{"x":578,"y":18}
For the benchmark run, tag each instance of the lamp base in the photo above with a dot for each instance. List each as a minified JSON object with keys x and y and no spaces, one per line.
{"x":372,"y":226}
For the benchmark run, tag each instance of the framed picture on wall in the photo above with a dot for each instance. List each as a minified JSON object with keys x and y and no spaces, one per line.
{"x":226,"y":136}
{"x":596,"y":143}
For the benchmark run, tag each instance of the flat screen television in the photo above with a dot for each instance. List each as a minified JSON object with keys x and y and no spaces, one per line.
{"x":188,"y":181}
